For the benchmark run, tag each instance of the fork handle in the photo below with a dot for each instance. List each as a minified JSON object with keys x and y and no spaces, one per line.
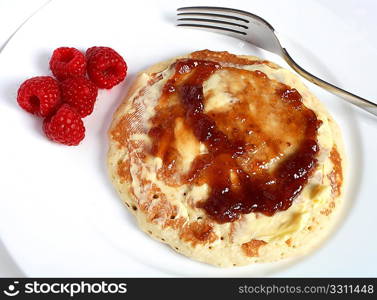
{"x":349,"y":97}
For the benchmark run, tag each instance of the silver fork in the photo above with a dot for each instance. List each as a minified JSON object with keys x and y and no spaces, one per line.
{"x":255,"y":30}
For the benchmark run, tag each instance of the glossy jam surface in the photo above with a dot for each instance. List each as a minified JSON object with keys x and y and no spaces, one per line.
{"x":260,"y":148}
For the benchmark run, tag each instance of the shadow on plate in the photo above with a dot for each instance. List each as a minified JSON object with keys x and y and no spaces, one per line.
{"x":9,"y":266}
{"x":42,"y":62}
{"x":8,"y":93}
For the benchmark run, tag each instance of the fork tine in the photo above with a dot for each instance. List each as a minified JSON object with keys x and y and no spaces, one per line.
{"x":212,"y":16}
{"x":257,"y":31}
{"x":226,"y":23}
{"x":229,"y":11}
{"x":227,"y":31}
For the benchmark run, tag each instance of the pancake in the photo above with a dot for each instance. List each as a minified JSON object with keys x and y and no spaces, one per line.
{"x":230,"y":160}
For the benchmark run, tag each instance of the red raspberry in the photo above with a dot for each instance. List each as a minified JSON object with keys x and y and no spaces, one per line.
{"x":65,"y":127}
{"x":106,"y":68}
{"x":79,"y":93}
{"x":39,"y":95}
{"x":67,"y":62}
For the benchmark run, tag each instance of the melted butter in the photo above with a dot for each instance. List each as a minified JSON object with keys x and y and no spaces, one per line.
{"x":186,"y":144}
{"x":217,"y":97}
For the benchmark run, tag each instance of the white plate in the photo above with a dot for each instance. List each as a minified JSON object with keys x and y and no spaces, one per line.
{"x":59,"y":214}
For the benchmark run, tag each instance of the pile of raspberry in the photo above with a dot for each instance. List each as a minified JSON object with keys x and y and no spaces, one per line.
{"x":64,"y":100}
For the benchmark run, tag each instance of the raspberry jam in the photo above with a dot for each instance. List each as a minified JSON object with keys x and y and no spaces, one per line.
{"x":259,"y":156}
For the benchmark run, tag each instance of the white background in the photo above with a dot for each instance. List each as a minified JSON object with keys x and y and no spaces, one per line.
{"x":361,"y":15}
